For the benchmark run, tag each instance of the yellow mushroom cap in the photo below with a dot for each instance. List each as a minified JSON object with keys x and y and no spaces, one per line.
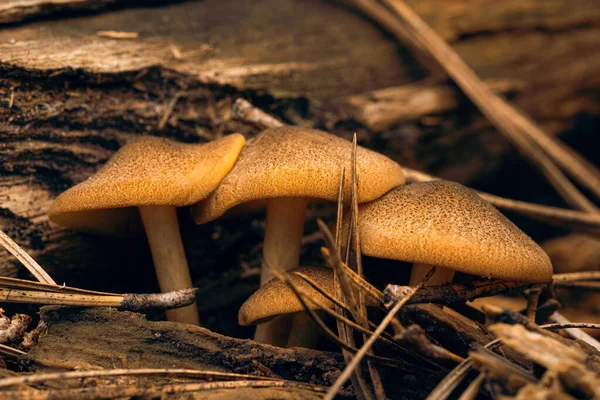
{"x":276,"y":298}
{"x":149,"y":171}
{"x":445,"y":224}
{"x":298,"y":162}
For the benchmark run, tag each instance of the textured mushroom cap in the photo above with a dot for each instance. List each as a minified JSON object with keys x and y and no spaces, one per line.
{"x":148,"y":171}
{"x":298,"y":162}
{"x":448,"y":225}
{"x":276,"y":298}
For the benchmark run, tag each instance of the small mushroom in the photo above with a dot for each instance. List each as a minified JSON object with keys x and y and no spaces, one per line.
{"x":275,"y":298}
{"x":288,"y":167}
{"x":152,"y":175}
{"x":447,"y":225}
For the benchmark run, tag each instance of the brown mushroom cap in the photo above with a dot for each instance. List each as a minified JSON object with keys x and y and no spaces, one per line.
{"x":148,"y":171}
{"x":276,"y":298}
{"x":298,"y":162}
{"x":445,"y":224}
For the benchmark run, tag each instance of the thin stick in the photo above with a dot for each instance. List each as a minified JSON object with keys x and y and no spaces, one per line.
{"x":11,"y":351}
{"x":576,"y":276}
{"x":25,"y":259}
{"x":575,"y":333}
{"x":188,"y":373}
{"x":245,"y":111}
{"x":128,"y":301}
{"x":591,"y":286}
{"x":16,"y":283}
{"x":498,"y":111}
{"x":337,"y":386}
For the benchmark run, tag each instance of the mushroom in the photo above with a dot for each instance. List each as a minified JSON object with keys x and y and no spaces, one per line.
{"x":152,"y":175}
{"x":289,"y":166}
{"x":275,"y":298}
{"x":447,"y":225}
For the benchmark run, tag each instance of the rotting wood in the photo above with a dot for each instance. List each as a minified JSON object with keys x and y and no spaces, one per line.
{"x":105,"y":338}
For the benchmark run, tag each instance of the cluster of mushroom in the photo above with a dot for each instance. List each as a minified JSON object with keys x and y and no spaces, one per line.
{"x":435,"y":223}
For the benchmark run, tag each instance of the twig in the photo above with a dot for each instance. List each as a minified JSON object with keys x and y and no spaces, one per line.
{"x":591,"y":286}
{"x":575,"y":333}
{"x":187,"y":373}
{"x":576,"y":276}
{"x":244,"y":110}
{"x":533,"y":297}
{"x":168,"y":111}
{"x":451,"y":293}
{"x":336,"y":387}
{"x":10,"y":351}
{"x":25,"y":259}
{"x":128,"y":301}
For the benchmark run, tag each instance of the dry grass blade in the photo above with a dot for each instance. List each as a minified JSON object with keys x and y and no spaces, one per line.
{"x":345,"y":330}
{"x":10,"y":351}
{"x":471,"y":392}
{"x":362,"y":308}
{"x":284,"y":276}
{"x":25,"y":259}
{"x":339,"y":269}
{"x":504,"y":117}
{"x":337,"y":386}
{"x":340,"y":210}
{"x":358,"y":282}
{"x":16,"y":283}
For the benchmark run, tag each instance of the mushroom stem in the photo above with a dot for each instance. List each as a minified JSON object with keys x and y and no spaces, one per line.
{"x":281,"y":248}
{"x":441,"y":275}
{"x":170,"y":263}
{"x":304,"y":332}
